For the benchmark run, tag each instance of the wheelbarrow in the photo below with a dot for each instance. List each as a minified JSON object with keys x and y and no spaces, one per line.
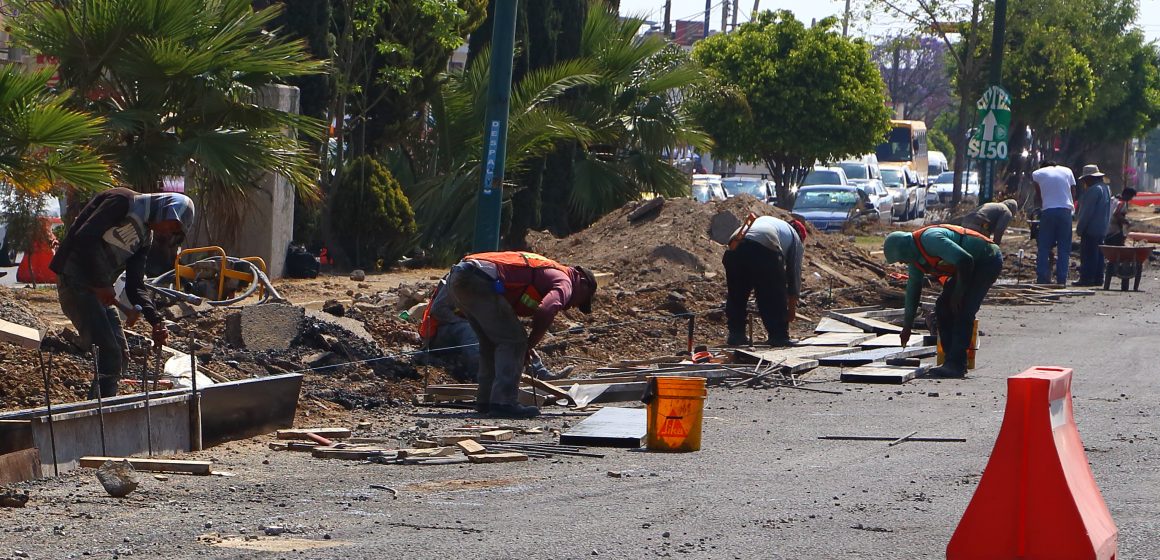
{"x":1125,"y":263}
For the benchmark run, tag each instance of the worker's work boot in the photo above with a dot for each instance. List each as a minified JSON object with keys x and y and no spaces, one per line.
{"x":948,"y":370}
{"x":482,"y":408}
{"x":737,"y":339}
{"x":513,"y":411}
{"x":780,"y":342}
{"x":548,"y":375}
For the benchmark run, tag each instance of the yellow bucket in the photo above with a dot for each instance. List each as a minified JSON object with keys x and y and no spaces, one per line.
{"x":971,"y":350}
{"x":675,"y":412}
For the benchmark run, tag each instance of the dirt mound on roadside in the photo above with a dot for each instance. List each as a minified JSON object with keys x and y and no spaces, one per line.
{"x":683,"y":241}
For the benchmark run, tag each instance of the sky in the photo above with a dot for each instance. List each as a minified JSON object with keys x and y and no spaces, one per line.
{"x":1149,"y":18}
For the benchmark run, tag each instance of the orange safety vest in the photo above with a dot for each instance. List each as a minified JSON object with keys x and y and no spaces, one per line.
{"x":429,"y":325}
{"x":529,"y":297}
{"x":933,"y":265}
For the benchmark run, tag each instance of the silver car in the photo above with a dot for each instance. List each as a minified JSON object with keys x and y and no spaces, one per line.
{"x":908,"y":192}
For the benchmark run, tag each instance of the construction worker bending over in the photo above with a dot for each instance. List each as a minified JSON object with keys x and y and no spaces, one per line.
{"x":966,"y":263}
{"x":111,"y":235}
{"x":493,"y":290}
{"x":990,"y":219}
{"x":765,"y":258}
{"x":448,"y":335}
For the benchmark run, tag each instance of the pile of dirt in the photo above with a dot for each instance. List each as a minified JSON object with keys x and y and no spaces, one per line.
{"x":683,"y":241}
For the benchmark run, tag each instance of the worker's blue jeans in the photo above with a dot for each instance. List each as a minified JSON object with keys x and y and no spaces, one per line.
{"x":955,"y":328}
{"x":1091,"y":260}
{"x":1054,"y":232}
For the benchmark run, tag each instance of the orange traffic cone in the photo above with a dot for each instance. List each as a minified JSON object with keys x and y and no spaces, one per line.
{"x":1037,"y":499}
{"x":34,"y":266}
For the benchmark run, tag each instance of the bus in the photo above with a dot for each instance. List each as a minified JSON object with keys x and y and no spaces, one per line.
{"x":906,"y":144}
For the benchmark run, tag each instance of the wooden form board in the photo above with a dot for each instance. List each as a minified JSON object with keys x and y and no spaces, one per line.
{"x":876,"y":355}
{"x":610,"y":427}
{"x":837,"y":339}
{"x":20,"y":335}
{"x":865,"y":323}
{"x":830,"y":325}
{"x":875,"y":373}
{"x":300,"y":433}
{"x":505,"y":457}
{"x":153,"y":465}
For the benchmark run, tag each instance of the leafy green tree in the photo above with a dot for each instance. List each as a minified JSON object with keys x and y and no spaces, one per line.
{"x":178,"y":84}
{"x":372,"y":214}
{"x":959,"y":26}
{"x":44,"y":143}
{"x":813,"y":94}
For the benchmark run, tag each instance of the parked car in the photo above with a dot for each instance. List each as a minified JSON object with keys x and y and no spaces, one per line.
{"x":942,"y":190}
{"x":880,"y":199}
{"x":908,"y":192}
{"x":762,"y":189}
{"x":830,"y":207}
{"x":707,"y":187}
{"x":826,"y":176}
{"x":865,"y":172}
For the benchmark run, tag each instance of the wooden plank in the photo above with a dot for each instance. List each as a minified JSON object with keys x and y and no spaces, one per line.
{"x":300,"y":433}
{"x":452,"y":440}
{"x":20,"y":335}
{"x":829,"y":270}
{"x":610,"y":427}
{"x":19,"y":466}
{"x":876,"y":355}
{"x":470,"y":447}
{"x":153,"y":465}
{"x":351,"y":453}
{"x":496,"y":435}
{"x":829,"y":325}
{"x":865,"y":323}
{"x":837,"y":339}
{"x":881,"y":314}
{"x":546,"y":387}
{"x":506,"y":457}
{"x":891,"y":341}
{"x":428,"y":452}
{"x":881,"y":374}
{"x":292,"y":446}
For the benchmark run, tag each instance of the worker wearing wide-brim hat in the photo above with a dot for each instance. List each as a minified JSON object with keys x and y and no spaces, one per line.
{"x":966,"y":263}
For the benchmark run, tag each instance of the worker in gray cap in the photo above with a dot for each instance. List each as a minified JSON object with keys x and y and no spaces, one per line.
{"x":111,"y":235}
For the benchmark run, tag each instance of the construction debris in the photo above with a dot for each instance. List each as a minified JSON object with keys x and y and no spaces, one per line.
{"x":610,"y":427}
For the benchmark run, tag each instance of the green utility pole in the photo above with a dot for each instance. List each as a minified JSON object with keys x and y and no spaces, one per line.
{"x":495,"y":129}
{"x":987,"y":188}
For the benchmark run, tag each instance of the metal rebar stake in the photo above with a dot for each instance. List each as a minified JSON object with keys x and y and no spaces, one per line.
{"x":195,"y":442}
{"x":48,"y":406}
{"x":100,"y":400}
{"x":148,"y":412}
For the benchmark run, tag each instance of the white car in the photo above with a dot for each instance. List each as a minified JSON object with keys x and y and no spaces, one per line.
{"x":761,"y":189}
{"x":909,"y":193}
{"x":707,"y":187}
{"x":942,"y":190}
{"x":826,"y":176}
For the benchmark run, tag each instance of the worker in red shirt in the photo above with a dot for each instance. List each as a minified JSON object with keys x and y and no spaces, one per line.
{"x":493,"y":290}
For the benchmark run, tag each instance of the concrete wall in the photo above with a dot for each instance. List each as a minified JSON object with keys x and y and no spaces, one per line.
{"x":269,"y":225}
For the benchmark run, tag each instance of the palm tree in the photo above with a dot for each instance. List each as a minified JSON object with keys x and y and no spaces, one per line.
{"x":43,"y":143}
{"x":447,"y":165}
{"x":635,"y":114}
{"x":179,"y":83}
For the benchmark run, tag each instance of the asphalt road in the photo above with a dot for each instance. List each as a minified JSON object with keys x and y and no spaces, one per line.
{"x":763,"y":486}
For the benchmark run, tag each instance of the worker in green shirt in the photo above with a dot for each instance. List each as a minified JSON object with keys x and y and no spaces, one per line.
{"x":966,"y":263}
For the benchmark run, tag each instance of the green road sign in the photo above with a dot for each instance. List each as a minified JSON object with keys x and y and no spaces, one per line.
{"x":994,"y":117}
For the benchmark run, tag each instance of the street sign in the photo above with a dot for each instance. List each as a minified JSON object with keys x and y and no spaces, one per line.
{"x":994,"y":118}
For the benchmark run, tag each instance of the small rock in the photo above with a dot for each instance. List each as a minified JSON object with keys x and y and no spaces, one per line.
{"x":326,"y":536}
{"x":161,"y":477}
{"x":615,"y":474}
{"x":422,"y":423}
{"x":209,"y":524}
{"x":363,"y":426}
{"x":20,"y":554}
{"x":665,"y":534}
{"x":333,"y":307}
{"x":358,"y":275}
{"x":119,"y":479}
{"x":932,"y":394}
{"x":12,"y":498}
{"x":274,"y":530}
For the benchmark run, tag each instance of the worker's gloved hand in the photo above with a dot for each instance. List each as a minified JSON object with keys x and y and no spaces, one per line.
{"x":160,"y":335}
{"x":106,"y":295}
{"x":904,"y":336}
